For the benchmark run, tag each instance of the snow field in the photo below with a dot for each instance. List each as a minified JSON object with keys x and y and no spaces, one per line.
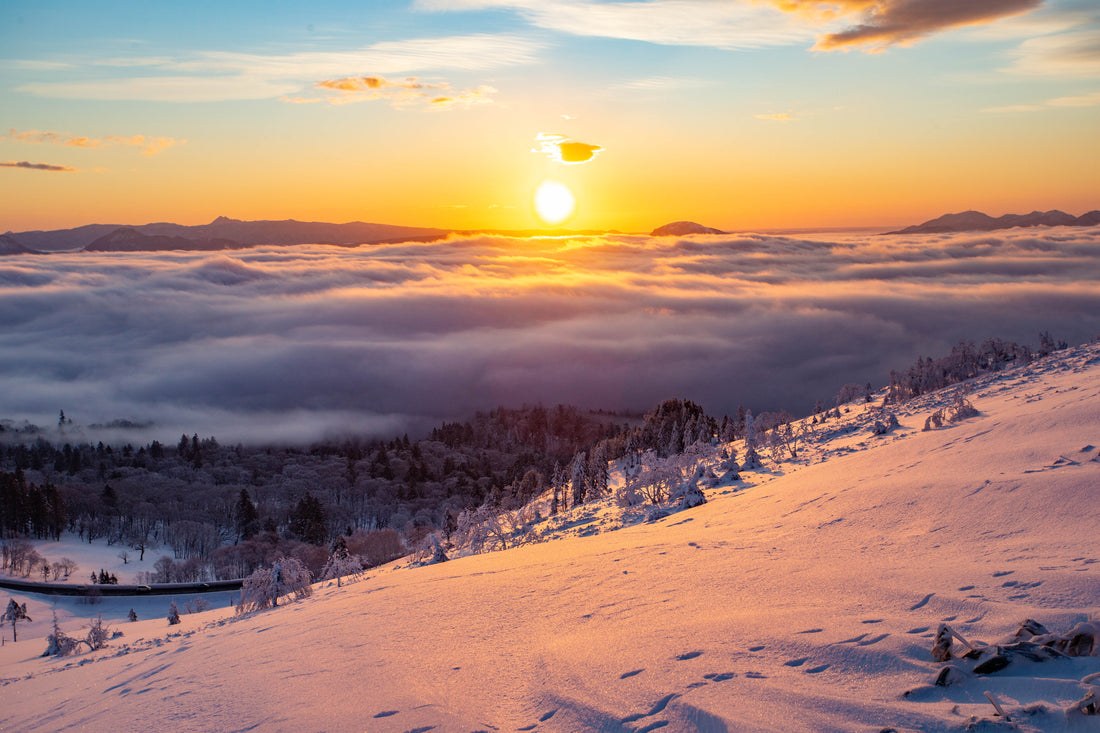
{"x":801,"y":599}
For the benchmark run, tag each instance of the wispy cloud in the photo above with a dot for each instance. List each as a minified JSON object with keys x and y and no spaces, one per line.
{"x":37,"y":166}
{"x":564,"y":150}
{"x":775,"y":116}
{"x":218,"y":76}
{"x":871,"y":24}
{"x":403,"y":93}
{"x":149,"y":145}
{"x":1083,"y":100}
{"x":1073,"y":54}
{"x":731,"y":25}
{"x":662,"y":83}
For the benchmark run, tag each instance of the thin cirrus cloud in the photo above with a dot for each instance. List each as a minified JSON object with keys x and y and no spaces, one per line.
{"x":295,"y":343}
{"x":564,"y":150}
{"x":149,"y":145}
{"x":219,"y":76}
{"x":730,"y":25}
{"x":406,"y":92}
{"x":775,"y":116}
{"x":37,"y":166}
{"x":837,"y":24}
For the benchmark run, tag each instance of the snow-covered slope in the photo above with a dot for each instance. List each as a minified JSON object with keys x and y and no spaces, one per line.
{"x":803,"y":598}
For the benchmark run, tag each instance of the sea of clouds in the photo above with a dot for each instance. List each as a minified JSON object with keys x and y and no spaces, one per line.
{"x":293,"y":344}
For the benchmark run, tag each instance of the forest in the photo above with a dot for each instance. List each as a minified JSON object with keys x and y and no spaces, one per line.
{"x":213,"y":511}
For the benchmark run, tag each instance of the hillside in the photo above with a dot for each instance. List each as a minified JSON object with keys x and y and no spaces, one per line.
{"x":803,"y":597}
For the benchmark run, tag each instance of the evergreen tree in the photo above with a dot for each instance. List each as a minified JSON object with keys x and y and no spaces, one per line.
{"x":132,"y":615}
{"x":308,"y":520}
{"x":247,"y":518}
{"x":173,"y":614}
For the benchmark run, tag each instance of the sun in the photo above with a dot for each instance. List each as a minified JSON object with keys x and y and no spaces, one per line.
{"x":554,"y":202}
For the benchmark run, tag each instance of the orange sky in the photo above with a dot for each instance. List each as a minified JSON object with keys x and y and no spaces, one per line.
{"x":736,"y":115}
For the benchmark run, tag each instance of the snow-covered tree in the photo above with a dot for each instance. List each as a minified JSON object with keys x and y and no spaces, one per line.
{"x":752,"y":459}
{"x":97,"y":634}
{"x":15,"y":613}
{"x":132,"y":616}
{"x":58,"y":643}
{"x":598,"y":475}
{"x":173,"y":614}
{"x":579,"y":478}
{"x":438,"y":555}
{"x":341,"y":563}
{"x":287,"y":576}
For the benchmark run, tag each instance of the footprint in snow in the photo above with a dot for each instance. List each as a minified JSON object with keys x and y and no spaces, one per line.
{"x":688,"y":655}
{"x":872,"y":640}
{"x":658,"y":707}
{"x":853,"y":640}
{"x":811,"y":631}
{"x":818,"y":669}
{"x":872,"y":621}
{"x":922,"y":602}
{"x":918,"y":630}
{"x":756,"y":676}
{"x":1002,"y":573}
{"x":967,"y":587}
{"x":624,"y":675}
{"x":547,"y":716}
{"x":720,"y":676}
{"x":386,"y":713}
{"x":755,"y":648}
{"x":796,"y":662}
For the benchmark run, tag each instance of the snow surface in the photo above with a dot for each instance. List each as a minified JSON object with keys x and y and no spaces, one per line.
{"x":802,"y":598}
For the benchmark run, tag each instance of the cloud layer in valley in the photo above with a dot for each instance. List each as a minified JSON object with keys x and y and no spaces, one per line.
{"x":298,"y":342}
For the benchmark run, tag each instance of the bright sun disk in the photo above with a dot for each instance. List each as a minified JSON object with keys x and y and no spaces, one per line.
{"x":554,"y":202}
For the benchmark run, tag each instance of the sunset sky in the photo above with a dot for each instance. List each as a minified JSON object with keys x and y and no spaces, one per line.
{"x":760,"y":114}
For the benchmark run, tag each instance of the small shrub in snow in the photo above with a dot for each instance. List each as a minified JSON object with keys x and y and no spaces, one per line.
{"x":132,"y":615}
{"x":97,"y":634}
{"x":58,"y":643}
{"x":885,"y":425}
{"x":262,"y":589}
{"x":961,"y":409}
{"x":935,"y":420}
{"x":173,"y":614}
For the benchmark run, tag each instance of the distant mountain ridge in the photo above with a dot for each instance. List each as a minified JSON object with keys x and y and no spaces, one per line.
{"x":976,"y":221}
{"x":682,"y":228}
{"x":222,"y":233}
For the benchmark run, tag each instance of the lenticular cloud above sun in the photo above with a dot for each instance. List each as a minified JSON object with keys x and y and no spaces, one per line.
{"x":293,"y":343}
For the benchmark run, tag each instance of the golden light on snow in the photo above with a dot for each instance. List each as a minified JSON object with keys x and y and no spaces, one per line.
{"x":554,"y":202}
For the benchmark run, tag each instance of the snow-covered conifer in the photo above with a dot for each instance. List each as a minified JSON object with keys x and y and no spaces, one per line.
{"x":341,"y":563}
{"x":132,"y":615}
{"x":173,"y":614}
{"x":579,"y":479}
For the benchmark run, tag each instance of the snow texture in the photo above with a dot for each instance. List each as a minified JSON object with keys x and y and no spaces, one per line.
{"x":804,"y":596}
